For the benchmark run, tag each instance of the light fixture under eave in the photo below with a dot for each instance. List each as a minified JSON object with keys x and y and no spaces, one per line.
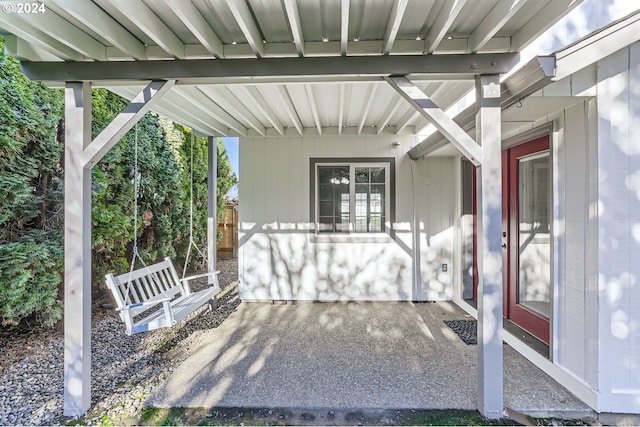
{"x":395,"y":144}
{"x":325,"y":39}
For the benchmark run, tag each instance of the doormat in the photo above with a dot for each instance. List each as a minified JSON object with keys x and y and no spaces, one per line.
{"x":466,"y":329}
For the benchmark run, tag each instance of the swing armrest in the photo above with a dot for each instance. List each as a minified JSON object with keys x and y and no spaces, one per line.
{"x":185,"y":281}
{"x":149,"y":303}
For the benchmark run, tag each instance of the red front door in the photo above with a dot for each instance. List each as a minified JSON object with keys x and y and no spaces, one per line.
{"x":527,"y":221}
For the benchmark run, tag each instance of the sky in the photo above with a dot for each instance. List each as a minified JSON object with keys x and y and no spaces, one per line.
{"x":231,"y":145}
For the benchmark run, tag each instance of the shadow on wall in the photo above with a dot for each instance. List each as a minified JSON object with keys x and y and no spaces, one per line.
{"x":281,"y":262}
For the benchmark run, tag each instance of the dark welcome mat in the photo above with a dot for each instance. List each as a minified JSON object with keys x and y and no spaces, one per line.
{"x":466,"y":329}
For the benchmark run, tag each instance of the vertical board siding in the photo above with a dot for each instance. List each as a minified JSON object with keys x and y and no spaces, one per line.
{"x":619,"y":230}
{"x":281,"y":259}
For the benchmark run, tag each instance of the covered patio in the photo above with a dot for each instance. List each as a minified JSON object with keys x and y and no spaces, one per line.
{"x":349,"y":356}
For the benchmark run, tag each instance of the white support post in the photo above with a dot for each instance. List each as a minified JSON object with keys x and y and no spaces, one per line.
{"x":77,"y":250}
{"x":212,"y":220}
{"x":489,"y":251}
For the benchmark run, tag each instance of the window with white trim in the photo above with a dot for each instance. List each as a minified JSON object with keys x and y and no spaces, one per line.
{"x":352,"y":197}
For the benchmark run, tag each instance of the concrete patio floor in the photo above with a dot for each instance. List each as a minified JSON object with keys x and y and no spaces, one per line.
{"x":349,"y":356}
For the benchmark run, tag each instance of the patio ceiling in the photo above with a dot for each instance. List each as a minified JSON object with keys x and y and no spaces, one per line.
{"x":165,"y":30}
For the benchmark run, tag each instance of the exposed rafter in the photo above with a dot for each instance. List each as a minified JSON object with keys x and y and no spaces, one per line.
{"x":344,"y":26}
{"x":396,"y":101}
{"x":449,"y":12}
{"x":226,"y":99}
{"x":341,"y":108}
{"x":25,"y":51}
{"x":38,"y":38}
{"x":195,"y":22}
{"x":367,"y":106}
{"x":261,"y":105}
{"x":243,"y":16}
{"x":293,"y":15}
{"x":407,"y":118}
{"x":147,"y":21}
{"x":313,"y":106}
{"x":202,"y":101}
{"x":201,"y":70}
{"x":493,"y":22}
{"x":395,"y":19}
{"x":290,"y":108}
{"x":99,"y":21}
{"x":535,"y":26}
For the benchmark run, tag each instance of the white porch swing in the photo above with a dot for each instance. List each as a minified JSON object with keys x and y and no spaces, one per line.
{"x":143,"y":289}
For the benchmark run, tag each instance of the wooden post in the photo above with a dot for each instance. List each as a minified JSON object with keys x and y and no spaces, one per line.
{"x":212,"y":221}
{"x":489,"y":220}
{"x":77,"y":250}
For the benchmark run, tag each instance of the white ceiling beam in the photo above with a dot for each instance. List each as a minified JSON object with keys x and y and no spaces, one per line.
{"x":547,"y":16}
{"x":393,"y":106}
{"x":314,"y":108}
{"x":253,"y":94}
{"x":445,"y":124}
{"x":196,"y":114}
{"x":449,"y":12}
{"x":293,"y":15}
{"x":198,"y":98}
{"x":25,"y":51}
{"x":102,"y":23}
{"x":58,"y":29}
{"x":178,"y":116}
{"x":367,"y":106}
{"x":244,"y":18}
{"x":227,"y":100}
{"x":341,"y":108}
{"x":493,"y":22}
{"x":40,"y":39}
{"x":148,"y":22}
{"x":290,"y":108}
{"x":124,"y":121}
{"x":409,"y":117}
{"x":344,"y":26}
{"x":395,"y":19}
{"x":199,"y":27}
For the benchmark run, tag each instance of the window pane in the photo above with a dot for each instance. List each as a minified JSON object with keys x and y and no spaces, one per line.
{"x":362,"y":175}
{"x":333,"y":194}
{"x":377,"y":175}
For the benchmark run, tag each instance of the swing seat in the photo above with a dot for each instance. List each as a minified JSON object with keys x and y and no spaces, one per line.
{"x":146,"y":288}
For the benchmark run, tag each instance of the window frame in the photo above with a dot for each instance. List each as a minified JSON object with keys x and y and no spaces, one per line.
{"x":389,"y":205}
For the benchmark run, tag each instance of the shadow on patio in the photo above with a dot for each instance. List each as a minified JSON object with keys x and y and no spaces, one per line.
{"x":348,"y":356}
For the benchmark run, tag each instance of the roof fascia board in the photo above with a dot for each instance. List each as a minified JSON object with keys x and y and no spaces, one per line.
{"x":202,"y":69}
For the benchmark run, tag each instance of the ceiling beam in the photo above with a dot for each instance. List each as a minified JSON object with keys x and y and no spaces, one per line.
{"x":202,"y":101}
{"x":40,"y":39}
{"x":547,"y":16}
{"x":389,"y":112}
{"x":449,"y":12}
{"x":203,"y":69}
{"x":344,"y":26}
{"x":290,"y":108}
{"x":395,"y":19}
{"x":314,"y":109}
{"x":493,"y":22}
{"x":149,"y":23}
{"x":367,"y":106}
{"x":341,"y":106}
{"x":425,"y":106}
{"x":199,"y":27}
{"x":261,"y":105}
{"x":404,"y":121}
{"x":227,"y":100}
{"x":102,"y":23}
{"x":243,"y":16}
{"x":25,"y":51}
{"x":293,"y":15}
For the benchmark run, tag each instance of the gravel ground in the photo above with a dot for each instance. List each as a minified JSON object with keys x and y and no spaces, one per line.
{"x":125,"y":368}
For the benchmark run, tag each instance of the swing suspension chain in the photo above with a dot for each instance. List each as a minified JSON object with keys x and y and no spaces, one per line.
{"x":192,"y":242}
{"x":136,"y":191}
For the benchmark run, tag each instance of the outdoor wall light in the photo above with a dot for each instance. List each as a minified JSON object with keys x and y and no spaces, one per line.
{"x":395,"y":144}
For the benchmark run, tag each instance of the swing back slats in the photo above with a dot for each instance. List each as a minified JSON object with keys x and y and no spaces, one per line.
{"x":151,"y":286}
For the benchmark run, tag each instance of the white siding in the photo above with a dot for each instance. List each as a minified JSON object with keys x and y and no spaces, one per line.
{"x":281,"y":260}
{"x":619,"y":230}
